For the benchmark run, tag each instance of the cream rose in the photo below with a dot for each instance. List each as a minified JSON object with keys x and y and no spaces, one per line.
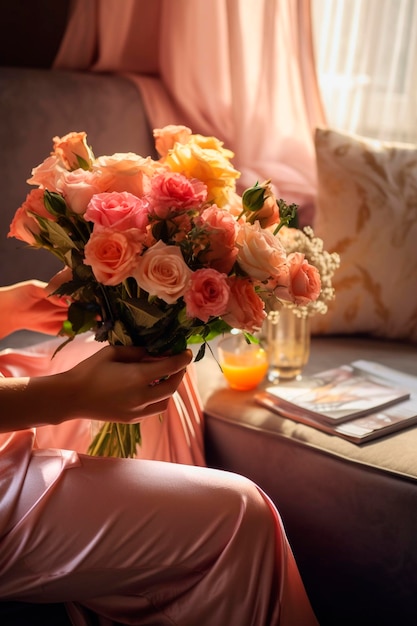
{"x":260,"y":253}
{"x":163,"y":273}
{"x":78,"y":187}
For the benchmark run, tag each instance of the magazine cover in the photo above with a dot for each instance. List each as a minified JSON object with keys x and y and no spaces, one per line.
{"x":338,"y":395}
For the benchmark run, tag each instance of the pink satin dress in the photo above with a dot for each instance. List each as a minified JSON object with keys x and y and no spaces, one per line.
{"x":139,"y":541}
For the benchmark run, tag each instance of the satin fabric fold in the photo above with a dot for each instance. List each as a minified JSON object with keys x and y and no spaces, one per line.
{"x":157,"y":555}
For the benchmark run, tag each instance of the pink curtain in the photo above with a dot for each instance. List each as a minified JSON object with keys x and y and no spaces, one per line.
{"x":242,"y":70}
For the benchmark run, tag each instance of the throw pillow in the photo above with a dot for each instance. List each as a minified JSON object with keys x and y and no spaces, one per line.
{"x":367,"y":212}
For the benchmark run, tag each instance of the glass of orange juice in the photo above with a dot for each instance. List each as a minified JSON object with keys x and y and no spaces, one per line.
{"x":244,"y":364}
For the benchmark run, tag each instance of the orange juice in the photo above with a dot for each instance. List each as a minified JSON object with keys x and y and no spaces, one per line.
{"x":244,"y":371}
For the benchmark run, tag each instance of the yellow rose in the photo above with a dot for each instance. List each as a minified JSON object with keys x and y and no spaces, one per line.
{"x":209,"y":165}
{"x":211,"y":143}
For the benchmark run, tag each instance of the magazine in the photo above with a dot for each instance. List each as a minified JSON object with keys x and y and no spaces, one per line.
{"x":338,"y":395}
{"x":358,"y":430}
{"x":390,"y":407}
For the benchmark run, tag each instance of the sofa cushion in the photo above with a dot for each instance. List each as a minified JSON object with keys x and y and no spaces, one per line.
{"x":367,"y":212}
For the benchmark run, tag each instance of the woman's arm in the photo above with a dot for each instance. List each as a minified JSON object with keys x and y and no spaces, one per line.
{"x":116,"y":384}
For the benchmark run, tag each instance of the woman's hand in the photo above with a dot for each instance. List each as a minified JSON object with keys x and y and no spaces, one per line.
{"x":116,"y":384}
{"x":28,"y":305}
{"x":122,"y":384}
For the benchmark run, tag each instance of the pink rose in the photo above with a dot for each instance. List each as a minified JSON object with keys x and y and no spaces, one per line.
{"x":166,"y":137}
{"x":119,"y":211}
{"x":163,"y":273}
{"x":172,"y":192}
{"x":78,"y":187}
{"x":24,"y":225}
{"x":73,"y":150}
{"x":112,"y":254}
{"x":246,"y":310}
{"x":126,"y":172}
{"x":218,"y":240}
{"x":305,"y":283}
{"x":47,"y":173}
{"x":260,"y":252}
{"x":207,"y":295}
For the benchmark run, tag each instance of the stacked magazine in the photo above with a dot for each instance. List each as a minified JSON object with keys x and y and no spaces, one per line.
{"x":358,"y":402}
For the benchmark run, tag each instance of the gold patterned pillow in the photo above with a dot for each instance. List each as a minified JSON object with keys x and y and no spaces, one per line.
{"x":367,"y":212}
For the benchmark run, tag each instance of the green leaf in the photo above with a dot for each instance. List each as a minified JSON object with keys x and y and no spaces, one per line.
{"x":119,"y":335}
{"x":82,"y":163}
{"x":143,"y":313}
{"x":201,"y":352}
{"x":82,"y":318}
{"x":54,"y":203}
{"x":57,"y":236}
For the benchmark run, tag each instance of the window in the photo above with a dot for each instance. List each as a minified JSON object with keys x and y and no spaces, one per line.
{"x":366,"y":56}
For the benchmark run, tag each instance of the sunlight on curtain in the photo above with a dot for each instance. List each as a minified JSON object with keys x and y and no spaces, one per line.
{"x":366,"y":56}
{"x":242,"y":70}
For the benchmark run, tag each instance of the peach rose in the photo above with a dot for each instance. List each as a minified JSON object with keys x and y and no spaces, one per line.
{"x":24,"y":225}
{"x":112,"y":255}
{"x":126,"y":172}
{"x":207,"y":295}
{"x":218,"y":240}
{"x":260,"y":205}
{"x":72,"y":149}
{"x":166,"y":137}
{"x":163,"y":273}
{"x":260,"y":253}
{"x":268,"y":215}
{"x":119,"y":211}
{"x":47,"y":173}
{"x":78,"y":187}
{"x":305,"y":283}
{"x":245,"y":310}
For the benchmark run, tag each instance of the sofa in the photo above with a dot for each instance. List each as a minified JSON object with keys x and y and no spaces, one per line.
{"x":350,"y":511}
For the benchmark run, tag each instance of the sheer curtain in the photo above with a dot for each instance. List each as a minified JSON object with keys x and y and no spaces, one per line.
{"x":242,"y":70}
{"x":366,"y":53}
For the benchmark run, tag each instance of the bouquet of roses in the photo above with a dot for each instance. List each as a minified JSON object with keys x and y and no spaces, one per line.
{"x":160,"y":252}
